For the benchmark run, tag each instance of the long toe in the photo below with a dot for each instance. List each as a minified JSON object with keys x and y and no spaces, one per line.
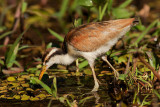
{"x":96,"y":86}
{"x":94,"y":89}
{"x":116,"y":74}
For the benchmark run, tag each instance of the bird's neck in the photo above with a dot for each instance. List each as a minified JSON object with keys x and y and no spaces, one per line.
{"x":64,"y":59}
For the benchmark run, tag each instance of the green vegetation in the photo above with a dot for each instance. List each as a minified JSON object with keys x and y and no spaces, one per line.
{"x":28,"y":28}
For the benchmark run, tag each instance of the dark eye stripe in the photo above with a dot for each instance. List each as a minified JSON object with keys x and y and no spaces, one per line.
{"x":58,"y":52}
{"x":45,"y":54}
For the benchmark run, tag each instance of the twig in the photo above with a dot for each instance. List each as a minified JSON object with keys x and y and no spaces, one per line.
{"x":134,"y":64}
{"x":127,"y":67}
{"x":149,"y":66}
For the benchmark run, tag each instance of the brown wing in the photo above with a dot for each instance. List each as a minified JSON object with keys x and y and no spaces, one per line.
{"x":91,"y":36}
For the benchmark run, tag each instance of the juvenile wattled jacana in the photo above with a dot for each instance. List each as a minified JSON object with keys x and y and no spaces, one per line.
{"x":88,"y":41}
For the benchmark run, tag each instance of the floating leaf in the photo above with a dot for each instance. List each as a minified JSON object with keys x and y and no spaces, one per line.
{"x":25,"y":97}
{"x":29,"y":89}
{"x":11,"y":79}
{"x":34,"y":98}
{"x":17,"y":97}
{"x":25,"y":85}
{"x":88,"y":71}
{"x":41,"y":96}
{"x":3,"y":96}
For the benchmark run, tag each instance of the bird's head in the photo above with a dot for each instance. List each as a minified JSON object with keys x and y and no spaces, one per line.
{"x":50,"y":57}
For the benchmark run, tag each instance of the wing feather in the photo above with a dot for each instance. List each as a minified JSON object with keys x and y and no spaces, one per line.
{"x":89,"y":37}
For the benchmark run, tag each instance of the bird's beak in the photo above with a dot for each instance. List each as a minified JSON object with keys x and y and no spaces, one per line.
{"x":42,"y":72}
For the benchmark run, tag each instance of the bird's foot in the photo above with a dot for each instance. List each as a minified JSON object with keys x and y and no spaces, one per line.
{"x":94,"y":89}
{"x":116,"y":74}
{"x":96,"y":86}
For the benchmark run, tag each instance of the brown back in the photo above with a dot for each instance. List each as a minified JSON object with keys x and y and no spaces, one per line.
{"x":89,"y":37}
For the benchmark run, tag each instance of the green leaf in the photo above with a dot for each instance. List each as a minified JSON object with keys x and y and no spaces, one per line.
{"x":121,"y":13}
{"x":122,"y":59}
{"x":63,"y":8}
{"x":77,"y":22}
{"x":152,"y":59}
{"x":145,"y":32}
{"x":156,"y":93}
{"x":23,"y":47}
{"x":87,"y":3}
{"x":83,"y":64}
{"x":2,"y":28}
{"x":60,"y":38}
{"x":122,"y":76}
{"x":109,"y":6}
{"x":84,"y":99}
{"x":11,"y":54}
{"x":49,"y":45}
{"x":99,"y":2}
{"x":140,"y":27}
{"x":24,"y":6}
{"x":46,"y":87}
{"x":1,"y":62}
{"x":5,"y":34}
{"x":103,"y":11}
{"x":54,"y":90}
{"x":144,"y":101}
{"x":87,"y":72}
{"x":145,"y":81}
{"x":18,"y":64}
{"x":125,"y":4}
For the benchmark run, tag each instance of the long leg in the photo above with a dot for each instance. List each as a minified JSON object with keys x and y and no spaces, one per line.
{"x":104,"y":58}
{"x":77,"y":68}
{"x":96,"y":85}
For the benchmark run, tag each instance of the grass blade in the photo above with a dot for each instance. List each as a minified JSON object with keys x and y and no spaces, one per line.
{"x":54,"y":90}
{"x":126,"y":3}
{"x":46,"y":87}
{"x":84,"y":99}
{"x":83,"y":64}
{"x":109,"y":7}
{"x":11,"y":54}
{"x":5,"y":34}
{"x":63,"y":8}
{"x":103,"y":11}
{"x":24,"y":6}
{"x":56,"y":35}
{"x":145,"y":32}
{"x":156,"y":93}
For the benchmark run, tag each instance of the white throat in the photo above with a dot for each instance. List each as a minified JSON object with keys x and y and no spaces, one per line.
{"x":64,"y":59}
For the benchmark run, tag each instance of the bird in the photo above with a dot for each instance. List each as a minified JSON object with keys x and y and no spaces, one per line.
{"x":88,"y":41}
